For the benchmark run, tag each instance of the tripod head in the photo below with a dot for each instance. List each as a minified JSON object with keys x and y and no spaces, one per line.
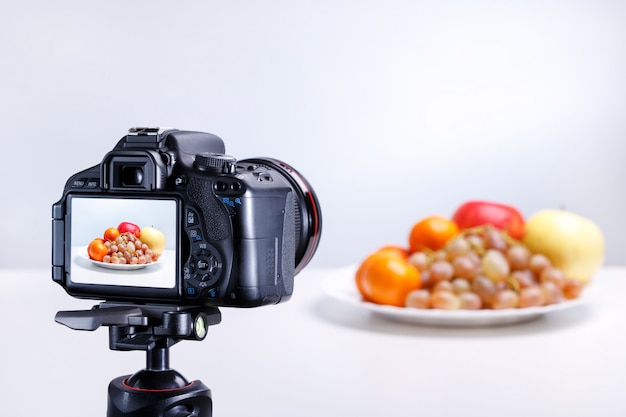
{"x":143,"y":327}
{"x":157,"y":390}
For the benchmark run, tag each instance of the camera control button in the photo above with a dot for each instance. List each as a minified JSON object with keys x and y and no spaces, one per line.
{"x":214,"y":265}
{"x":215,"y":162}
{"x":93,"y":183}
{"x":192,"y":218}
{"x":79,"y":182}
{"x":202,"y":264}
{"x":195,"y":235}
{"x":192,"y":292}
{"x":180,"y":180}
{"x":220,"y":186}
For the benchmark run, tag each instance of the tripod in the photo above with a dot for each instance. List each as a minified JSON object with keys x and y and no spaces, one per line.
{"x":157,"y":390}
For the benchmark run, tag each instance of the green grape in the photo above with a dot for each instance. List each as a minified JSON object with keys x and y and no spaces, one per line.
{"x":441,"y":271}
{"x":553,"y":275}
{"x":443,"y":286}
{"x":531,"y":296}
{"x":505,"y":299}
{"x":518,"y":257}
{"x":538,"y":263}
{"x":461,"y":285}
{"x":495,"y":266}
{"x":485,"y":288}
{"x":130,"y":247}
{"x":475,"y":258}
{"x":445,"y":300}
{"x":418,"y":299}
{"x":476,"y":243}
{"x":419,"y":260}
{"x":493,"y":240}
{"x":459,"y":246}
{"x":552,"y":294}
{"x":572,"y":289}
{"x":524,"y":278}
{"x":470,"y":301}
{"x":424,"y":276}
{"x":464,"y":267}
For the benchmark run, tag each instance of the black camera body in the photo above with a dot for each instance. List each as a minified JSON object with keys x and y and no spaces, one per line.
{"x":230,"y":233}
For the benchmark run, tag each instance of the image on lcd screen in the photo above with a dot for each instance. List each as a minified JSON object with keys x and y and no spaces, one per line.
{"x":123,"y":241}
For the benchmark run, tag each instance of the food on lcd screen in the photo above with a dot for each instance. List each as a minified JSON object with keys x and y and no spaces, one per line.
{"x":127,"y":244}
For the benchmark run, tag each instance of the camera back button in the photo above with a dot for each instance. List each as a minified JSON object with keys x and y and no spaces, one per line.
{"x":79,"y":183}
{"x":202,"y":265}
{"x":192,"y":218}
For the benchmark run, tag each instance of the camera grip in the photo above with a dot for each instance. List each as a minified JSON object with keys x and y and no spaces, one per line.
{"x":217,"y":224}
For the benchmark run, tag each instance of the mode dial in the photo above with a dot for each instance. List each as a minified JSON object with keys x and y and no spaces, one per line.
{"x":215,"y":162}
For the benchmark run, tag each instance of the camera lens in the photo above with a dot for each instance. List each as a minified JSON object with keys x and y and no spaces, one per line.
{"x":131,"y":176}
{"x":307,"y":210}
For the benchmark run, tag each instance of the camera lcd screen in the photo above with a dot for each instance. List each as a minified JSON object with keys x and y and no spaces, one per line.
{"x":143,"y":232}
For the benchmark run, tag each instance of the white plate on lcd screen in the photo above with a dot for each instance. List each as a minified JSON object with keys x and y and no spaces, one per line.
{"x":341,"y":287}
{"x":121,"y":267}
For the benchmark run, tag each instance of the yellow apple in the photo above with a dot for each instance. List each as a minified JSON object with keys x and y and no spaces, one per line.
{"x":154,"y":238}
{"x":573,"y":243}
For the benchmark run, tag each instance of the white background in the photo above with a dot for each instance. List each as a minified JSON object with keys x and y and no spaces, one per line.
{"x":392,"y":109}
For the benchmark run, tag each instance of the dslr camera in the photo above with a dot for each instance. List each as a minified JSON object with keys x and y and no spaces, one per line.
{"x":168,"y":218}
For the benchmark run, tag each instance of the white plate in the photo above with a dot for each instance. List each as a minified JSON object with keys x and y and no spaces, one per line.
{"x":121,"y":267}
{"x":341,"y":287}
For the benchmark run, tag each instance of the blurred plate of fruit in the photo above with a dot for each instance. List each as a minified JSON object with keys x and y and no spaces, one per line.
{"x":341,"y":287}
{"x":484,"y":264}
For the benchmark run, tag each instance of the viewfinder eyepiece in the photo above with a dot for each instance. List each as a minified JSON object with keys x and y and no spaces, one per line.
{"x":135,"y":172}
{"x":131,"y":176}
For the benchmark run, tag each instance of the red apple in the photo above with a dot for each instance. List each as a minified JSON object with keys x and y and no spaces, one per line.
{"x":129,"y":227}
{"x":501,"y":216}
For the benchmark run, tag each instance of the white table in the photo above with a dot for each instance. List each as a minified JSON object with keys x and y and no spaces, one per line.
{"x":314,"y":356}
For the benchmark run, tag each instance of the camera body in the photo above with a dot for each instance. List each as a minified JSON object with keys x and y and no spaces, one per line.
{"x":229,"y":233}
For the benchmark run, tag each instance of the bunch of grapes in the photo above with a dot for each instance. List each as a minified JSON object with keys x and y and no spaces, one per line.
{"x":483,"y":268}
{"x":128,"y":249}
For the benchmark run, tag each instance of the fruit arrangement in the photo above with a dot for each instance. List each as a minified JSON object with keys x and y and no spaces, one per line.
{"x":485,"y":256}
{"x":127,"y":244}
